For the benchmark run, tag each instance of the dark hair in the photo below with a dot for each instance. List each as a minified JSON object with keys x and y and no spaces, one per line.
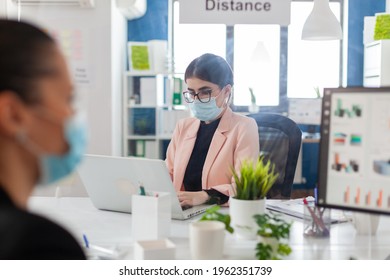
{"x":211,"y":68}
{"x":23,"y":57}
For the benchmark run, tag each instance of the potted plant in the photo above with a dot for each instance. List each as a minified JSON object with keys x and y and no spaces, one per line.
{"x":272,"y":232}
{"x":253,"y":182}
{"x":253,"y":108}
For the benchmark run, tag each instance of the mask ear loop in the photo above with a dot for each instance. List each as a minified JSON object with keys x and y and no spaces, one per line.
{"x":227,"y":102}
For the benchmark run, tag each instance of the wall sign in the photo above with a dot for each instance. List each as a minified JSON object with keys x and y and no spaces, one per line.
{"x":232,"y":12}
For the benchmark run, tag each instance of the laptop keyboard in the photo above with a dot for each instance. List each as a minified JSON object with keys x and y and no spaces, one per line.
{"x":185,"y":207}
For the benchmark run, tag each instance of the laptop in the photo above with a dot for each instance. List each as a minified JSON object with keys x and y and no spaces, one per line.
{"x":111,"y":181}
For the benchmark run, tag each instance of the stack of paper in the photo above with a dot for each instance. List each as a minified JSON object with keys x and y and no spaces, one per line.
{"x":296,"y":207}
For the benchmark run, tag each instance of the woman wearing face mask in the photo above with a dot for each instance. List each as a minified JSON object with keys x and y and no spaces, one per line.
{"x":203,"y":149}
{"x":40,"y":140}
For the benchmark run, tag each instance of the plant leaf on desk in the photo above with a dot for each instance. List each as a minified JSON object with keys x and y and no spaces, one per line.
{"x":284,"y":249}
{"x":271,"y":226}
{"x":212,"y":214}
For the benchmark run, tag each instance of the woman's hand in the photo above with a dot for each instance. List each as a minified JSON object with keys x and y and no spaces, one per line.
{"x":192,"y":198}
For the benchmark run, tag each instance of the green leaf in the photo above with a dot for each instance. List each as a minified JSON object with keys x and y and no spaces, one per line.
{"x":263,"y":252}
{"x":212,"y":214}
{"x":253,"y":96}
{"x":284,"y":249}
{"x":272,"y":226}
{"x":254,"y":179}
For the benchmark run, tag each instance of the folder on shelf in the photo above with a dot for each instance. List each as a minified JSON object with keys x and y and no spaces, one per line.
{"x":164,"y":122}
{"x":148,"y":91}
{"x":150,"y":150}
{"x":177,"y":91}
{"x":168,"y":89}
{"x":168,"y":120}
{"x":139,"y":148}
{"x":143,"y":121}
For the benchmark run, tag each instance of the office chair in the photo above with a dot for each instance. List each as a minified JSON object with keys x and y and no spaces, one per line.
{"x":280,"y":141}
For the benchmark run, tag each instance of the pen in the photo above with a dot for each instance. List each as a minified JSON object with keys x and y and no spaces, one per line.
{"x":86,"y":241}
{"x":142,"y":190}
{"x":319,"y":222}
{"x":102,"y":250}
{"x":97,"y":248}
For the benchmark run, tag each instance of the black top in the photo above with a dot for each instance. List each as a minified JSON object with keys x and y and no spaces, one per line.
{"x":26,"y":236}
{"x":193,"y":175}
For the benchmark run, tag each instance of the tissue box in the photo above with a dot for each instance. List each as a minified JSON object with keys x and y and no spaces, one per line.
{"x":162,"y":249}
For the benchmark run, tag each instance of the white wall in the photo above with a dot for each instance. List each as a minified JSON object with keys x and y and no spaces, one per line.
{"x":102,"y":43}
{"x":388,"y":6}
{"x":118,"y":65}
{"x":3,"y":8}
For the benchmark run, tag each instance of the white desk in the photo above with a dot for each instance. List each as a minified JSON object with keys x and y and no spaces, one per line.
{"x":111,"y":229}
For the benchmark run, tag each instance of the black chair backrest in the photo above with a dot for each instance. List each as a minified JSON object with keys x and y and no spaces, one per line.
{"x":280,"y":141}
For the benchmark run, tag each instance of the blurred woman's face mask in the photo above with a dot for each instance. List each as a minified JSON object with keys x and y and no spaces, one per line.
{"x":55,"y":167}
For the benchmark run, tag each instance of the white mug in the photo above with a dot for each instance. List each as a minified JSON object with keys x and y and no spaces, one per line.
{"x":365,"y":223}
{"x":207,"y":240}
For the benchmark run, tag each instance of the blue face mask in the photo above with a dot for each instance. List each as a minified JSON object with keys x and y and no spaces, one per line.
{"x":205,"y":111}
{"x":53,"y":167}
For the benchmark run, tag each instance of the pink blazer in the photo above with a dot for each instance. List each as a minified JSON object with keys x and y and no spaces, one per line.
{"x":235,"y":139}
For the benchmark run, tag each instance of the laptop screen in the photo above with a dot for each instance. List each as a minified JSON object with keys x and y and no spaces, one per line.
{"x":354,"y":166}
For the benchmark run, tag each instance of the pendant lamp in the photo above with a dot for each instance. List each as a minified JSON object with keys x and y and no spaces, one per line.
{"x":322,"y":24}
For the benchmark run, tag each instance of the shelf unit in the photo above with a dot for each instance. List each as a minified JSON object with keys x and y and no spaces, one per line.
{"x":148,"y":114}
{"x":376,"y":64}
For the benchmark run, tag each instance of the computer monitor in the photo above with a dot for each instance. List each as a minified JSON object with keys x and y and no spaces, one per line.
{"x":354,"y":162}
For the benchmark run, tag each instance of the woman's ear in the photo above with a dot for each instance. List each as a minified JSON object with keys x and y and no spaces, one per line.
{"x":12,"y":114}
{"x":228,"y":88}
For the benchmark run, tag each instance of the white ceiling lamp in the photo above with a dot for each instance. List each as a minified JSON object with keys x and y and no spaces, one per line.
{"x":322,"y":24}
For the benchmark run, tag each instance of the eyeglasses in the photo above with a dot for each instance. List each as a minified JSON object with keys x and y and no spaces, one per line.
{"x":203,"y":95}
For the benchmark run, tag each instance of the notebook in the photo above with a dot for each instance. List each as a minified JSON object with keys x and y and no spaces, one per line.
{"x":110,"y":182}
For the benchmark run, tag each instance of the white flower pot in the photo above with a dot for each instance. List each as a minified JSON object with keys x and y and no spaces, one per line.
{"x":253,"y":109}
{"x":241,"y":213}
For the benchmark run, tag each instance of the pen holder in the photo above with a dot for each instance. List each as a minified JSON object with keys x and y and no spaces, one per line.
{"x":162,"y":249}
{"x":317,"y":221}
{"x":151,"y":216}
